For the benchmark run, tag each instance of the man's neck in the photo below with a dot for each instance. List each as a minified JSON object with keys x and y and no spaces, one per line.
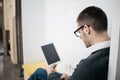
{"x":100,"y":38}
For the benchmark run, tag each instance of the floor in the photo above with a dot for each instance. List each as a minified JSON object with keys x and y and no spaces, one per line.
{"x":1,"y":67}
{"x":8,"y":70}
{"x":12,"y":71}
{"x":1,"y":61}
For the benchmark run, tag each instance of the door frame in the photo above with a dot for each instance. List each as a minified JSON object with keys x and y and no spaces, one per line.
{"x":19,"y":36}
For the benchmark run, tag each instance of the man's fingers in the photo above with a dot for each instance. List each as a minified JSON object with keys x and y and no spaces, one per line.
{"x":64,"y":77}
{"x":54,"y":66}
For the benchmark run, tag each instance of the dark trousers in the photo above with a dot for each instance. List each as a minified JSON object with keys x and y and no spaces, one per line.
{"x":41,"y":74}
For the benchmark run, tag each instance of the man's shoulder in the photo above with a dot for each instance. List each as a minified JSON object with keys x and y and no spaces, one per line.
{"x":100,"y":53}
{"x":96,"y":55}
{"x":96,"y":62}
{"x":99,"y":57}
{"x":105,"y":50}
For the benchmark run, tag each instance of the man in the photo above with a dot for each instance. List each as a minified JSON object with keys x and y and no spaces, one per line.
{"x":92,"y":29}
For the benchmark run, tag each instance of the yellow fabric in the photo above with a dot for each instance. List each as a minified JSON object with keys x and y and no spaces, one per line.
{"x":30,"y":68}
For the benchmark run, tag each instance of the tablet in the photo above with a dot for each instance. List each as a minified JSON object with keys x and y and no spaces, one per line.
{"x":50,"y":53}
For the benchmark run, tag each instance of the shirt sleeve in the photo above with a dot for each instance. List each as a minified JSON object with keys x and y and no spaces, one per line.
{"x":83,"y":71}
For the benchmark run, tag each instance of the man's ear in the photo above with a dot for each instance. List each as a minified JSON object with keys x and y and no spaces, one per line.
{"x":86,"y":29}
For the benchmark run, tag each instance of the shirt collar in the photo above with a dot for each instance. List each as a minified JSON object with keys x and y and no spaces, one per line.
{"x":98,"y":46}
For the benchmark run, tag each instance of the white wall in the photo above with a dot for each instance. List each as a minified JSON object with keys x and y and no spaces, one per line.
{"x":118,"y":62}
{"x":46,"y":21}
{"x":114,"y":63}
{"x":60,"y":23}
{"x":32,"y":27}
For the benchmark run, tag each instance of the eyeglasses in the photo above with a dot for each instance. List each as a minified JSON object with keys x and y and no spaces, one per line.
{"x":77,"y":32}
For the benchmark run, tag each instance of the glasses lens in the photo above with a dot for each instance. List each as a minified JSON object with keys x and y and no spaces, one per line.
{"x":77,"y":34}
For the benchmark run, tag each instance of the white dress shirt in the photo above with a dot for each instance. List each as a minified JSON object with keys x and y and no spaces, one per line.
{"x":98,"y":46}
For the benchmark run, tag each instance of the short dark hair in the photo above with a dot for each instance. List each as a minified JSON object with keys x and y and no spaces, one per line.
{"x":94,"y":17}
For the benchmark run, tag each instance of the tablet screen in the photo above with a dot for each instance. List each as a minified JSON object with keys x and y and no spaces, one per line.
{"x":50,"y":53}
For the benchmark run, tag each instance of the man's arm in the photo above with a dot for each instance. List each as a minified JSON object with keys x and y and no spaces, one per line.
{"x":82,"y":72}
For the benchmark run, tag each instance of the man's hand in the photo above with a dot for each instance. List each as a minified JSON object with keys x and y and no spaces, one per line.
{"x":51,"y":69}
{"x":65,"y":77}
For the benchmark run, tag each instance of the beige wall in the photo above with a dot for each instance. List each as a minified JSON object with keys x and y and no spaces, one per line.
{"x":9,"y":13}
{"x":9,"y":24}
